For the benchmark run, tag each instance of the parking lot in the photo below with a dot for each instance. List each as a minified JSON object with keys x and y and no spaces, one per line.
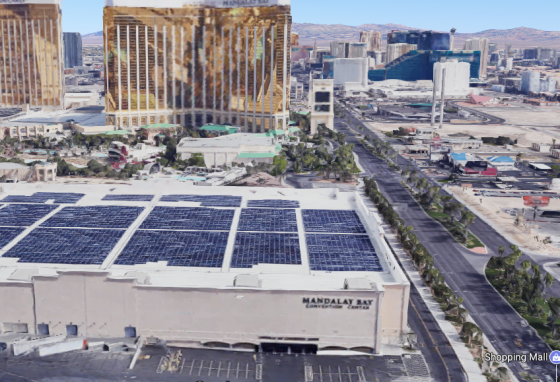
{"x":211,"y":366}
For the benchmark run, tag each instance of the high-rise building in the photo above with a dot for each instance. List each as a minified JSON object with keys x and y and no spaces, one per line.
{"x":196,"y":62}
{"x":72,"y":50}
{"x":372,"y":40}
{"x":482,"y":45}
{"x":31,"y":66}
{"x":295,"y":38}
{"x":339,"y":49}
{"x":357,"y":50}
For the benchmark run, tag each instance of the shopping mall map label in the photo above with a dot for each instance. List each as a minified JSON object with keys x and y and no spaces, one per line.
{"x":555,"y":357}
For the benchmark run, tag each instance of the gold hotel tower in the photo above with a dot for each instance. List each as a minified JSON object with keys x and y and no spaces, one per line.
{"x":193,"y":63}
{"x":31,"y":61}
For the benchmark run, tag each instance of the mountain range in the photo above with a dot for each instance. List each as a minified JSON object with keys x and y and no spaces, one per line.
{"x":520,"y":37}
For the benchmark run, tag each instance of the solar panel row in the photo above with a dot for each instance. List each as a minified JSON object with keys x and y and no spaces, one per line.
{"x":273,"y":203}
{"x":179,"y":249}
{"x":94,"y":217}
{"x":187,"y":218}
{"x":206,"y":200}
{"x":43,"y":197}
{"x":349,"y":253}
{"x":264,"y":220}
{"x":265,"y":248}
{"x":23,"y":215}
{"x":65,"y":246}
{"x":129,"y":198}
{"x":8,"y":234}
{"x":332,"y":221}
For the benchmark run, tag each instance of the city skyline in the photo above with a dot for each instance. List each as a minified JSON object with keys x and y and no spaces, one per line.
{"x":313,"y":11}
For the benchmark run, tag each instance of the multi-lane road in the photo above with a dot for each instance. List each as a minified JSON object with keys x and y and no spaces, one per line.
{"x":463,"y":270}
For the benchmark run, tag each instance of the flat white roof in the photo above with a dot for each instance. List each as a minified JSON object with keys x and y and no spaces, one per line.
{"x":182,"y":3}
{"x":541,"y":166}
{"x":232,"y":140}
{"x":271,"y":276}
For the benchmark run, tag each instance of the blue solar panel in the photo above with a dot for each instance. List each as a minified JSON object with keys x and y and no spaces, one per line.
{"x":23,"y":215}
{"x":129,"y":198}
{"x":43,"y":197}
{"x":332,"y":221}
{"x":264,"y":220}
{"x":94,"y":217}
{"x":351,"y":253}
{"x":65,"y":246}
{"x":205,"y":200}
{"x":8,"y":234}
{"x":178,"y":248}
{"x":273,"y":203}
{"x":265,"y":248}
{"x":187,"y":218}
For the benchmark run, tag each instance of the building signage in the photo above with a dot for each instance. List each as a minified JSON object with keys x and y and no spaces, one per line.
{"x":246,"y":3}
{"x":336,"y":303}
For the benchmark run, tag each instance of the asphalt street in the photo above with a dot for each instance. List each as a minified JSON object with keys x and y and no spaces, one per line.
{"x":461,"y":268}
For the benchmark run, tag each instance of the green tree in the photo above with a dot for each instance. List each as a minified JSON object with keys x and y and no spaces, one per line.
{"x":197,"y":159}
{"x":280,"y":164}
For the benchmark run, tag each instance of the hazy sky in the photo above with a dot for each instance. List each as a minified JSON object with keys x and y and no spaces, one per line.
{"x":86,"y":16}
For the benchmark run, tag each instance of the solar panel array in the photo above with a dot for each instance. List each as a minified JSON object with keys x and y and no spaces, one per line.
{"x":128,"y":198}
{"x":273,"y":203}
{"x":23,"y":215}
{"x":350,"y":253}
{"x":65,"y":246}
{"x":187,"y":218}
{"x":179,"y":248}
{"x":43,"y":197}
{"x":205,"y":200}
{"x":8,"y":234}
{"x":265,"y":220}
{"x":94,"y":217}
{"x":265,"y":248}
{"x":332,"y":221}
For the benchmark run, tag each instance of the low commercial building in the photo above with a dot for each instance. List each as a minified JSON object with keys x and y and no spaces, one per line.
{"x":502,"y":163}
{"x":555,"y":153}
{"x":223,"y":150}
{"x":542,"y":147}
{"x":149,"y":132}
{"x":40,"y":172}
{"x":202,"y":270}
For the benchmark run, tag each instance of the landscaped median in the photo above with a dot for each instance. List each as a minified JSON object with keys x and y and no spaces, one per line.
{"x":524,"y":288}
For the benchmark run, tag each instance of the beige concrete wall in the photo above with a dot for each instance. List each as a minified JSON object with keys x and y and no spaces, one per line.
{"x":16,"y":304}
{"x":103,"y":307}
{"x":233,"y":316}
{"x":22,"y":173}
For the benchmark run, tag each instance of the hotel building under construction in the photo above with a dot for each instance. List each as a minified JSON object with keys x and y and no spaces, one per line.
{"x":198,"y":62}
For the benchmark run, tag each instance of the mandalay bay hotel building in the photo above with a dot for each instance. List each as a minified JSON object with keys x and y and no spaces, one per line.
{"x":196,"y":62}
{"x":31,"y":65}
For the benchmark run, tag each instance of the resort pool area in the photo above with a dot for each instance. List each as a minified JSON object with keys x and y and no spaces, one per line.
{"x":39,"y":152}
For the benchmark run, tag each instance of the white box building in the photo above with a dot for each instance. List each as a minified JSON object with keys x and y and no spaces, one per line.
{"x":457,"y":76}
{"x":353,"y":71}
{"x":233,"y":270}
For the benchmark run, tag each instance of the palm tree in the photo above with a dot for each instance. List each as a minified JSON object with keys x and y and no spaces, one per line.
{"x":467,"y":219}
{"x":471,"y":330}
{"x":501,"y":374}
{"x":554,"y":314}
{"x":501,"y":250}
